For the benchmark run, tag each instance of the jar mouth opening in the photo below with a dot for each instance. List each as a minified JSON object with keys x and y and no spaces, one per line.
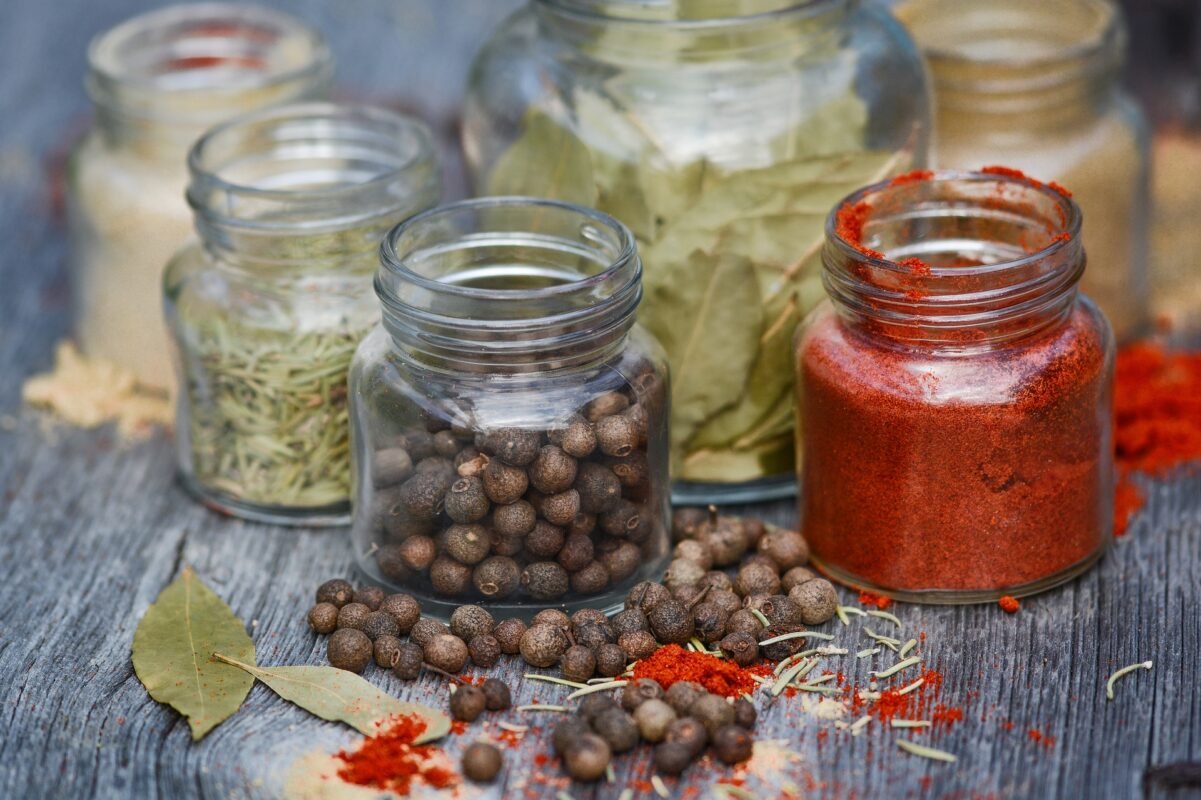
{"x":997,"y":194}
{"x":457,"y":227}
{"x":1030,"y":35}
{"x":321,"y":164}
{"x":205,"y":48}
{"x":685,"y":16}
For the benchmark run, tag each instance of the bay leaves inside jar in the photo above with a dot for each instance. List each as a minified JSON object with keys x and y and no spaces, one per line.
{"x":547,"y":160}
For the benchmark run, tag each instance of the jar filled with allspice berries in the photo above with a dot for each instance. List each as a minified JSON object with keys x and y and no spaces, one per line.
{"x":509,"y":418}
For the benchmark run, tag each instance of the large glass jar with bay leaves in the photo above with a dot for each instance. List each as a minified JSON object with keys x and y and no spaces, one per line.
{"x":720,"y":132}
{"x":266,"y":310}
{"x":509,"y":418}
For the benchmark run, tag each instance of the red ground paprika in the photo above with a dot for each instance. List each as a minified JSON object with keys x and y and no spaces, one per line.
{"x":954,"y":440}
{"x":672,"y":663}
{"x":390,"y":761}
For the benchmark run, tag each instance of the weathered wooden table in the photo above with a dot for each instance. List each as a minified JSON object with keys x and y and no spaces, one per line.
{"x":90,"y":532}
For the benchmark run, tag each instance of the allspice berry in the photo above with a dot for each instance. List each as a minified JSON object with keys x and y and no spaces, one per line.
{"x":599,"y":488}
{"x":622,"y":519}
{"x":497,"y":577}
{"x":370,"y":596}
{"x":349,"y":649}
{"x":544,"y":645}
{"x":756,"y":578}
{"x":816,"y":599}
{"x":387,"y":650}
{"x":467,"y":702}
{"x":504,"y":483}
{"x":578,"y":664}
{"x":336,"y":592}
{"x":717,"y":580}
{"x":449,"y":577}
{"x":671,"y":622}
{"x":726,"y":540}
{"x":682,"y":572}
{"x":445,"y":444}
{"x":606,"y":405}
{"x":710,"y":620}
{"x":672,"y":758}
{"x":779,"y":610}
{"x":447,"y":652}
{"x":592,"y":578}
{"x":745,"y":714}
{"x":622,"y":561}
{"x":629,"y":621}
{"x":633,"y":470}
{"x":637,"y":692}
{"x":778,"y":651}
{"x":545,"y":540}
{"x":696,"y":551}
{"x":567,"y":732}
{"x":544,"y":580}
{"x":593,"y":634}
{"x":353,"y":615}
{"x":418,"y":443}
{"x":484,"y":651}
{"x":724,"y":599}
{"x":586,"y":758}
{"x":553,"y":471}
{"x":689,"y":732}
{"x":481,"y":762}
{"x":390,"y":466}
{"x":323,"y":618}
{"x":610,"y":660}
{"x":496,"y":694}
{"x":425,"y":629}
{"x":617,"y":728}
{"x":409,"y":658}
{"x":637,"y":645}
{"x":787,"y":548}
{"x":467,"y":544}
{"x":466,"y":500}
{"x":687,"y":523}
{"x":508,"y":634}
{"x":552,"y":616}
{"x":514,"y":519}
{"x":795,"y":577}
{"x":653,"y":718}
{"x":391,"y":565}
{"x":418,"y":552}
{"x":511,"y":445}
{"x":404,"y":608}
{"x":616,"y":435}
{"x":380,"y":623}
{"x":645,"y":595}
{"x":581,"y":522}
{"x":713,"y":711}
{"x":424,"y":494}
{"x":470,"y":621}
{"x":743,"y":621}
{"x":578,"y":439}
{"x":740,"y":647}
{"x":732,"y":744}
{"x":562,"y":508}
{"x":681,"y":696}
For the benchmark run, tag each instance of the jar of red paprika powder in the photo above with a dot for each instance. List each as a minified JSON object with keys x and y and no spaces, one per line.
{"x":954,"y":392}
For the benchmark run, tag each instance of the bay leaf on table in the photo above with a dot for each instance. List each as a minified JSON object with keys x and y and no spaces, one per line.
{"x":547,"y":160}
{"x":173,"y":648}
{"x":341,"y":696}
{"x":770,"y":457}
{"x":706,"y":312}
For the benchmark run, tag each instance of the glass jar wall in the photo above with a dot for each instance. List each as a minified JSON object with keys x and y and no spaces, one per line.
{"x":720,"y":133}
{"x":158,"y":82}
{"x":955,"y":395}
{"x":509,"y":418}
{"x":268,"y":307}
{"x":1034,"y":85}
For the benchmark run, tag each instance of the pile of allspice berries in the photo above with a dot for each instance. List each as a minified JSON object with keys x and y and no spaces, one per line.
{"x":733,"y":583}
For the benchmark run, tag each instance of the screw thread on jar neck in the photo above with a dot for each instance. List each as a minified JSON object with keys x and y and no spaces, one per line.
{"x":955,"y":260}
{"x":315,"y":185}
{"x":160,"y":79}
{"x":1026,"y":63}
{"x":509,"y":285}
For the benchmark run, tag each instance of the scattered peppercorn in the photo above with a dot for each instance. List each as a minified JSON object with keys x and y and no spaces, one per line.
{"x":672,"y":758}
{"x":653,"y":717}
{"x":496,"y":694}
{"x":617,"y":728}
{"x":740,"y":647}
{"x":404,"y":608}
{"x":543,"y":645}
{"x":816,"y":600}
{"x":578,"y":664}
{"x":713,"y":711}
{"x":323,"y":618}
{"x":567,"y":732}
{"x":447,"y":652}
{"x":745,"y":714}
{"x":370,"y":596}
{"x":732,"y":744}
{"x":379,"y":623}
{"x":387,"y":649}
{"x":349,"y":649}
{"x":496,"y":577}
{"x":484,"y":650}
{"x":481,"y":762}
{"x":586,"y":757}
{"x":336,"y":592}
{"x":508,"y":634}
{"x":629,"y":621}
{"x":610,"y":660}
{"x":552,"y":616}
{"x":757,"y":578}
{"x":467,"y":703}
{"x":671,"y":622}
{"x":690,"y":733}
{"x":637,"y":645}
{"x":425,"y":629}
{"x":795,"y":577}
{"x":353,"y":615}
{"x":470,"y":621}
{"x":409,"y":658}
{"x":682,"y":694}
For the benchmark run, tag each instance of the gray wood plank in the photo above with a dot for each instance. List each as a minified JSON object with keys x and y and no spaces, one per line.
{"x":90,"y":531}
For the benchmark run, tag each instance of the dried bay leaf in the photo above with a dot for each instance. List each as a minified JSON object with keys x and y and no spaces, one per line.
{"x":173,"y":648}
{"x":772,"y":457}
{"x":341,"y":696}
{"x":547,"y":160}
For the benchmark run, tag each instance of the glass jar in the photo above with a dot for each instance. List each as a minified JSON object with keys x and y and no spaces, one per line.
{"x":267,"y":309}
{"x":720,"y":132}
{"x":509,"y":419}
{"x":955,"y":393}
{"x":1035,"y":86}
{"x":159,"y":81}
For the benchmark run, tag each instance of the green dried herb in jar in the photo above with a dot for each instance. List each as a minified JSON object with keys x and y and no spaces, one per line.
{"x":267,"y":309}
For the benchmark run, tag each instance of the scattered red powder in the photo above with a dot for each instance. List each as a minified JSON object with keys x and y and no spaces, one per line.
{"x":1010,"y":172}
{"x":879,"y":601}
{"x":390,"y":761}
{"x":946,"y":715}
{"x":916,"y":176}
{"x":672,"y":663}
{"x":1038,"y":737}
{"x":458,"y":727}
{"x":1128,"y":499}
{"x":1009,"y":604}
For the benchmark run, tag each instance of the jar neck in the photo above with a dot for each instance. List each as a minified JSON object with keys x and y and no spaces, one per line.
{"x":954,"y":260}
{"x":162,"y":79}
{"x":693,"y":30}
{"x":308,"y":189}
{"x":1021,"y":65}
{"x":509,"y":286}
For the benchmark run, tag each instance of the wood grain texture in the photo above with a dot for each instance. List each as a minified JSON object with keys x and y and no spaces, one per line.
{"x":90,"y":532}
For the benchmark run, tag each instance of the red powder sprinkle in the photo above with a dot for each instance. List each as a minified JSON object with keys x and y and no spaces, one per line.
{"x":1010,"y":172}
{"x":390,"y":761}
{"x":1128,"y":499}
{"x":458,"y":727}
{"x":879,"y":601}
{"x":916,"y":176}
{"x":1038,"y":737}
{"x":946,"y":715}
{"x":1009,"y":604}
{"x":672,"y":663}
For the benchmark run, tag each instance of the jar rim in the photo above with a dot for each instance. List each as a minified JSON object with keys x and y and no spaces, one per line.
{"x":403,"y":144}
{"x":394,"y":262}
{"x":578,"y":9}
{"x":1071,"y":216}
{"x":109,"y":70}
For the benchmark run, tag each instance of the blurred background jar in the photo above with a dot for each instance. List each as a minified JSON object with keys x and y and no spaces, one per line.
{"x":268,"y":307}
{"x":1035,"y":85}
{"x":719,"y":132}
{"x":158,"y":82}
{"x":509,"y":418}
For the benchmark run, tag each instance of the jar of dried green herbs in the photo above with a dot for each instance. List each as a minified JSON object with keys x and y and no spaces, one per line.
{"x":720,"y":132}
{"x":267,"y":308}
{"x":509,"y":418}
